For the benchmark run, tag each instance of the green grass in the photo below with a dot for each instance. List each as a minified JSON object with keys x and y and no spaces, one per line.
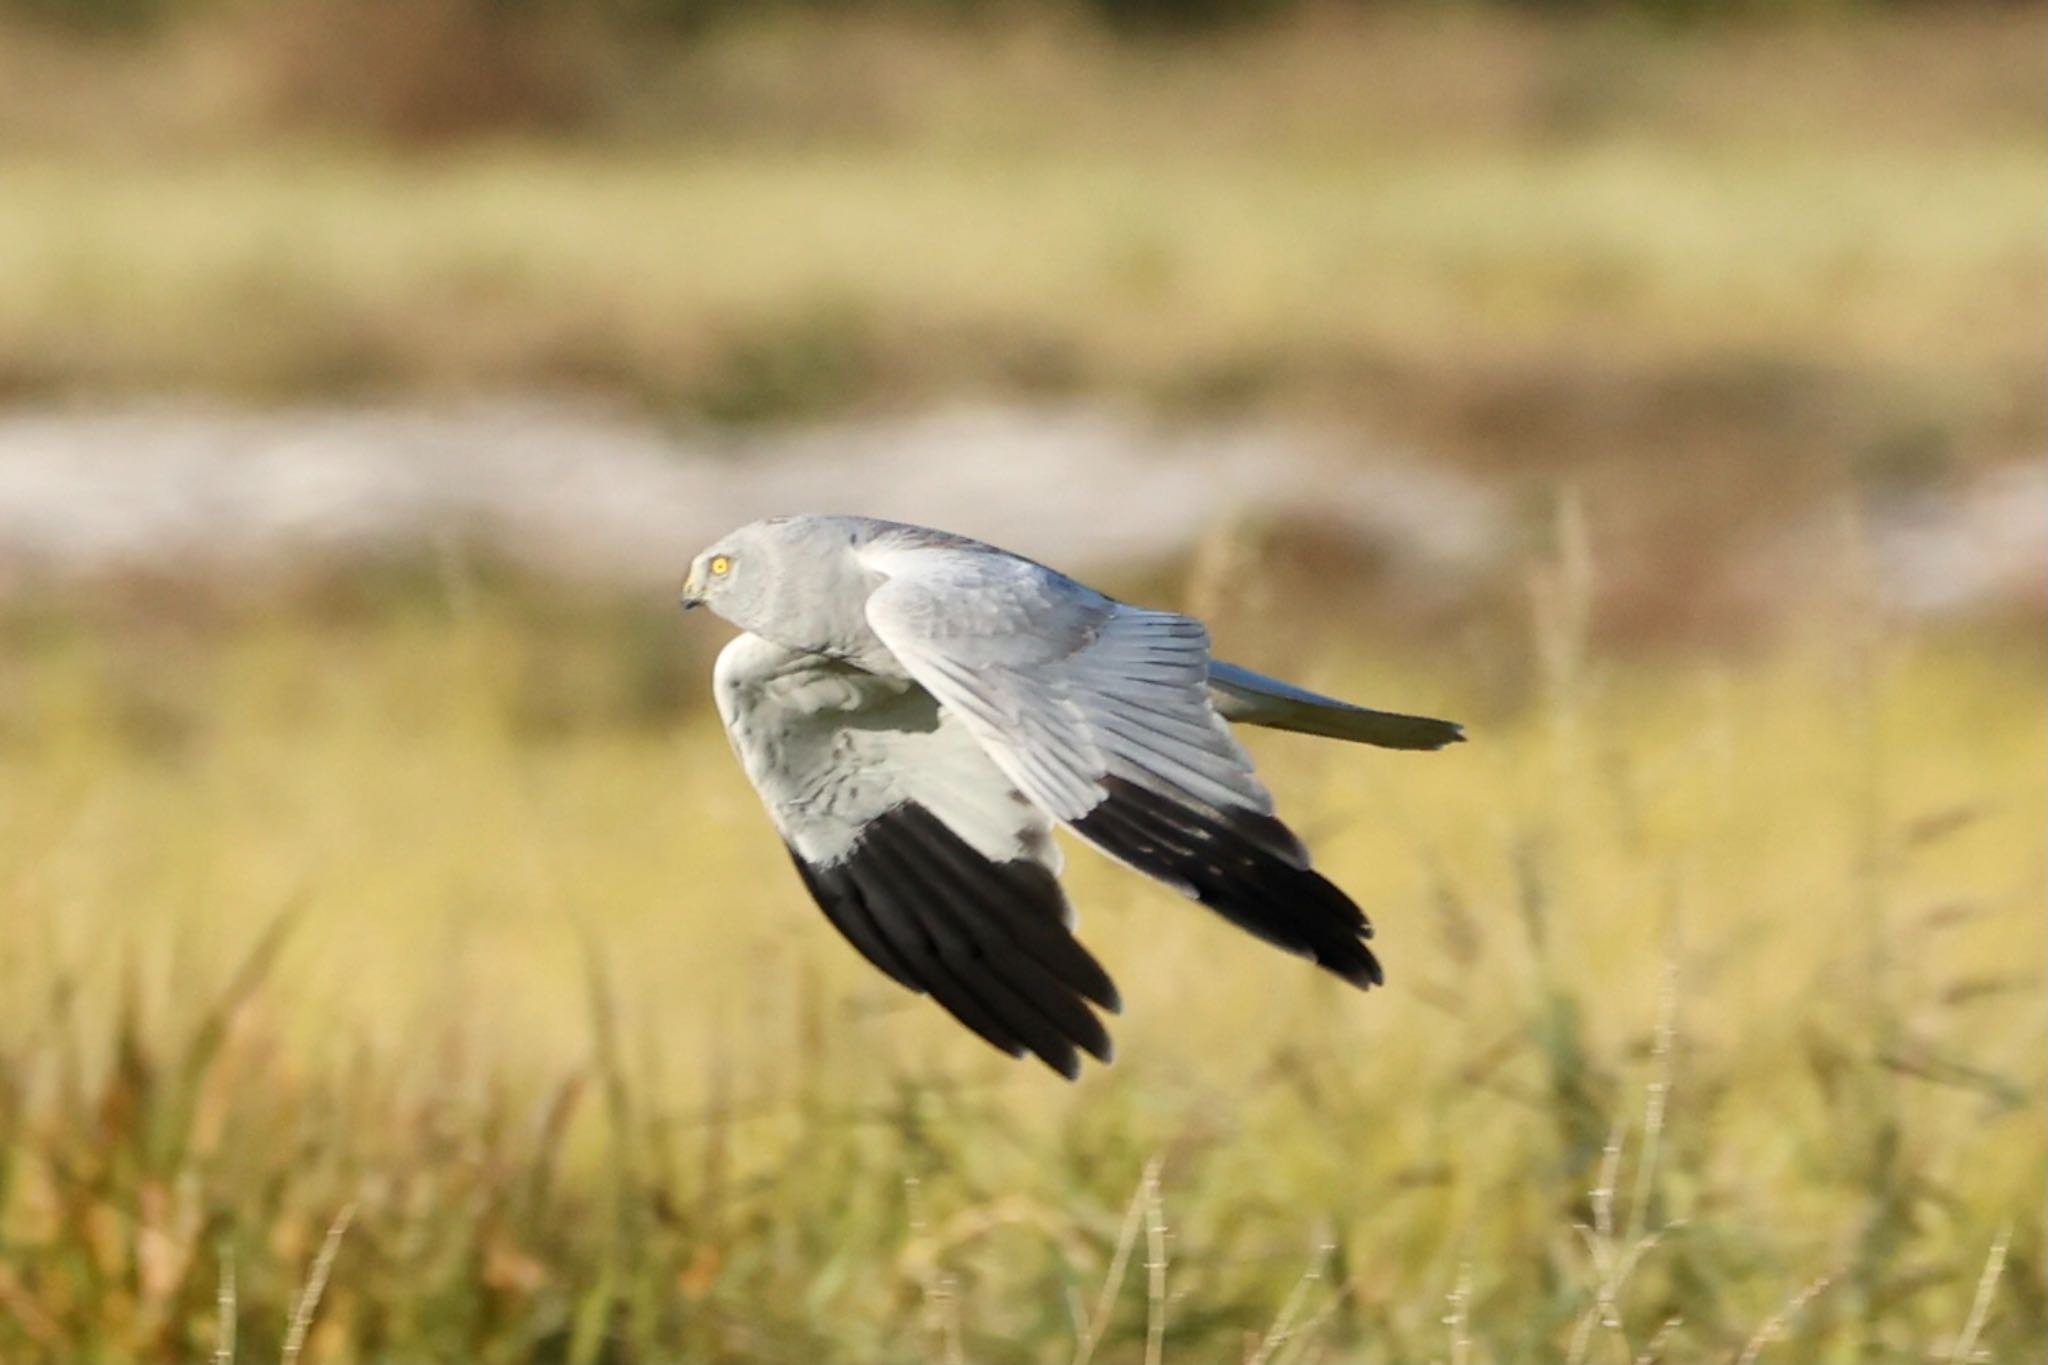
{"x":526,"y":985}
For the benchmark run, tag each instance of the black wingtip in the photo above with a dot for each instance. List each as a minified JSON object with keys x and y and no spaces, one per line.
{"x":988,"y":941}
{"x":1101,"y":1047}
{"x":1246,"y":866}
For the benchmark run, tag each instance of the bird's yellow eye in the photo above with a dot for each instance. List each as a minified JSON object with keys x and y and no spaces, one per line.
{"x":720,"y":564}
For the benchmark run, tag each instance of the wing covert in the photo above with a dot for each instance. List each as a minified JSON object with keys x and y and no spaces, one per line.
{"x":1100,"y":712}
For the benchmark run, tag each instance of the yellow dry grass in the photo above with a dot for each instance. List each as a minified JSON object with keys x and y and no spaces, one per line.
{"x":433,"y":954}
{"x":554,"y":1021}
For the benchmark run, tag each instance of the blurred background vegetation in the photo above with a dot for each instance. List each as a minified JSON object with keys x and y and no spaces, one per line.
{"x":401,"y":900}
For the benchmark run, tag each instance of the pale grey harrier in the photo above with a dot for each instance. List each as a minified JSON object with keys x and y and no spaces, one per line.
{"x":918,"y":710}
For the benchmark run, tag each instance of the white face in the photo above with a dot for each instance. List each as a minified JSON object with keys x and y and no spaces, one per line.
{"x":709,"y":573}
{"x":782,"y":578}
{"x":736,"y":576}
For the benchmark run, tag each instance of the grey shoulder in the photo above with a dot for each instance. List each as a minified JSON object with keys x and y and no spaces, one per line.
{"x":961,"y":555}
{"x":863,"y":532}
{"x":903,"y":535}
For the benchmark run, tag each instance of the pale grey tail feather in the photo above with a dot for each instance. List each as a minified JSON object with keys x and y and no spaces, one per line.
{"x":1242,"y":695}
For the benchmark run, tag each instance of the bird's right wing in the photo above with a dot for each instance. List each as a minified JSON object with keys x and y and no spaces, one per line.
{"x":916,"y":846}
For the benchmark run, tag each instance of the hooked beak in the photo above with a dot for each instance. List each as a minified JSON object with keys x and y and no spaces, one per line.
{"x":691,"y":597}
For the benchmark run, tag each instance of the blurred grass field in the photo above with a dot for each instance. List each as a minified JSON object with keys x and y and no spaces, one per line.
{"x":414,"y":936}
{"x":526,"y":986}
{"x":751,"y":284}
{"x":810,"y":215}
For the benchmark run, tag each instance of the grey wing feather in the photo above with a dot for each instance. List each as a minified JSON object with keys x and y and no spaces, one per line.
{"x":918,"y":849}
{"x":1100,"y":712}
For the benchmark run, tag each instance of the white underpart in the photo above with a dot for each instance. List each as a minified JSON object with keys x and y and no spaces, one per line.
{"x":831,"y":747}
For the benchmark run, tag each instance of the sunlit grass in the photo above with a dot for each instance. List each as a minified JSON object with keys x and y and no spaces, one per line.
{"x":552,"y":1013}
{"x":447,"y":935}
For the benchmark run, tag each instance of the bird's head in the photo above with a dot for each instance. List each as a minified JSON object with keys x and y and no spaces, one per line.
{"x":756,"y":576}
{"x":719,"y":576}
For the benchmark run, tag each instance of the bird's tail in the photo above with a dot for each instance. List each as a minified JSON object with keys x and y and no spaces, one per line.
{"x":1242,"y":695}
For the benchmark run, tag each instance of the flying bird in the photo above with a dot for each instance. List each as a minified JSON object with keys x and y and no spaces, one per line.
{"x":918,"y":710}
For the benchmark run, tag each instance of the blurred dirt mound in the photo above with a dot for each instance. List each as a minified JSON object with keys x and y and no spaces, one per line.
{"x":591,"y":493}
{"x":588,"y":491}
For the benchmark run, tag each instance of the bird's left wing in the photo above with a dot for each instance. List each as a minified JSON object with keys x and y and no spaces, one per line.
{"x":916,"y":846}
{"x":1100,"y":712}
